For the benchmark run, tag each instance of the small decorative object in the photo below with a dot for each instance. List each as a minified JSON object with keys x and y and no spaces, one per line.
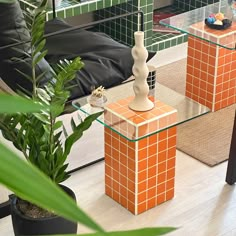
{"x":217,"y":21}
{"x":141,"y":101}
{"x":97,"y":98}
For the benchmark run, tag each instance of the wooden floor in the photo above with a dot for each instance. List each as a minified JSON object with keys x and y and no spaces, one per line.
{"x":204,"y":205}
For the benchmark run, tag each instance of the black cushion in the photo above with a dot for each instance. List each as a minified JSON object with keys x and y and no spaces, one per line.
{"x":107,"y":62}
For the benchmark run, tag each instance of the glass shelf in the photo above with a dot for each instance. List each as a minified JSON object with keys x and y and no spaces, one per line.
{"x":193,"y":23}
{"x":187,"y":109}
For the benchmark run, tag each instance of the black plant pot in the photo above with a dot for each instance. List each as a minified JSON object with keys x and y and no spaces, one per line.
{"x":24,"y":225}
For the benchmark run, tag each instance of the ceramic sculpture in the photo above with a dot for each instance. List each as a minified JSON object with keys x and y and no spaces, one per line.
{"x":140,"y":72}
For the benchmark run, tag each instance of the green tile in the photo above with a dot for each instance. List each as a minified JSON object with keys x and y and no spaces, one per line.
{"x":100,"y":5}
{"x":84,"y":9}
{"x":69,"y":12}
{"x":92,"y":7}
{"x":60,"y":14}
{"x":77,"y":10}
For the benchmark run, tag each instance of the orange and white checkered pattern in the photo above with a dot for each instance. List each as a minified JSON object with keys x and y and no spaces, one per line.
{"x":211,"y":69}
{"x":140,"y":174}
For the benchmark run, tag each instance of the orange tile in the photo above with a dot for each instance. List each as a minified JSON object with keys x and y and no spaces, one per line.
{"x":162,"y":156}
{"x":163,"y":135}
{"x":161,"y":167}
{"x":115,"y":153}
{"x":142,"y":154}
{"x":161,"y":198}
{"x":212,"y":61}
{"x":116,"y":186}
{"x":116,"y":196}
{"x":142,"y":165}
{"x":142,"y":143}
{"x":123,"y":148}
{"x":171,"y":163}
{"x":131,"y":164}
{"x":131,"y":153}
{"x":142,"y":207}
{"x":108,"y":181}
{"x":171,"y":173}
{"x":142,"y":176}
{"x":170,"y":184}
{"x":212,"y":51}
{"x":152,"y":139}
{"x":161,"y":177}
{"x":143,"y":130}
{"x":124,"y":201}
{"x":123,"y":181}
{"x":161,"y":188}
{"x":131,"y":181}
{"x":163,"y":122}
{"x":108,"y":191}
{"x":142,"y":186}
{"x":152,"y":182}
{"x":131,"y":207}
{"x":124,"y":170}
{"x":137,"y":120}
{"x":115,"y":175}
{"x":162,"y":145}
{"x":171,"y":152}
{"x":142,"y":197}
{"x":131,"y":196}
{"x":152,"y":150}
{"x":107,"y":149}
{"x":170,"y":194}
{"x":172,"y":131}
{"x":151,"y":203}
{"x":123,"y":159}
{"x":151,"y":193}
{"x":108,"y":170}
{"x":172,"y":141}
{"x":152,"y":160}
{"x":108,"y":160}
{"x":152,"y":171}
{"x":211,"y":70}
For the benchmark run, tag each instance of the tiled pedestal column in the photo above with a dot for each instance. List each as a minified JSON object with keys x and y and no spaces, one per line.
{"x":211,"y":69}
{"x":139,"y":175}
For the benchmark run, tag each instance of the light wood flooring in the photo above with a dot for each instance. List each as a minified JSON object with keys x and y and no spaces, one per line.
{"x":204,"y":205}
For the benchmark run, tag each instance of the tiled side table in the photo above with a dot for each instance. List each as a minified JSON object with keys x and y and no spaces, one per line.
{"x":140,"y":175}
{"x":211,"y":69}
{"x":140,"y":147}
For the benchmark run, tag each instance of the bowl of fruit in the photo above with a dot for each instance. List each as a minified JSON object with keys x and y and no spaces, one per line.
{"x":218,"y":21}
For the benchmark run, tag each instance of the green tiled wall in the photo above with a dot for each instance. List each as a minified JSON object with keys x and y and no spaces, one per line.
{"x":123,"y":29}
{"x":188,"y":5}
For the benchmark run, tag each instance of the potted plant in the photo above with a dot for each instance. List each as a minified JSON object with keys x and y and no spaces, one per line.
{"x":38,"y":135}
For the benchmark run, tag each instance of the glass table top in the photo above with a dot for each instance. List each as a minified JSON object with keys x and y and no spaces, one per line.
{"x":187,"y":109}
{"x":193,"y":23}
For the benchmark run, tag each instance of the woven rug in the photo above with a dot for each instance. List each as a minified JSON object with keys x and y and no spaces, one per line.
{"x":205,"y":138}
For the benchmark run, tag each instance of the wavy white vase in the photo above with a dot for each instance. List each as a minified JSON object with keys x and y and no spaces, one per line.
{"x":140,"y":71}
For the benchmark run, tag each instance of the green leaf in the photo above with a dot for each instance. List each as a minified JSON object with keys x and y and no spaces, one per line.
{"x":39,"y":47}
{"x":57,"y":125}
{"x":155,"y":231}
{"x":11,"y":104}
{"x":78,"y":132}
{"x":24,"y":179}
{"x":39,"y":57}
